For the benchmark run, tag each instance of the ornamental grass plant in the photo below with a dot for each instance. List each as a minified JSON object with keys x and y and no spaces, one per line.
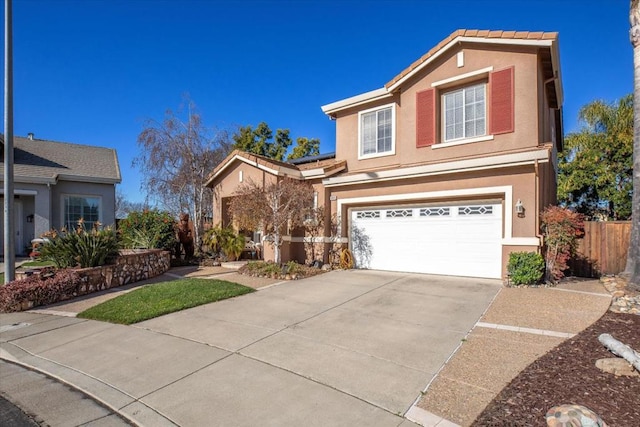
{"x":80,"y":247}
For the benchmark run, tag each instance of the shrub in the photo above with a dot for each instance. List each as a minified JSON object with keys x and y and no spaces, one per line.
{"x":44,"y":288}
{"x":80,"y":247}
{"x":560,"y":227}
{"x":149,"y":229}
{"x":273,"y":270}
{"x":525,"y":268}
{"x":234,"y":246}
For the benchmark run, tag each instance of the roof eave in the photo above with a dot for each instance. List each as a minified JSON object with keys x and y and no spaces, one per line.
{"x":354,"y":101}
{"x":237,"y":155}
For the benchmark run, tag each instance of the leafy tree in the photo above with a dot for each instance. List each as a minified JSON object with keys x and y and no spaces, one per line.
{"x":260,"y":141}
{"x":632,"y":270}
{"x":274,"y":208}
{"x":151,"y":229}
{"x":176,"y":158}
{"x":305,"y":147}
{"x":595,"y":176}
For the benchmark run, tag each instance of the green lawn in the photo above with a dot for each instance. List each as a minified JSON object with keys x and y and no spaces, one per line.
{"x":163,"y":298}
{"x":37,"y":264}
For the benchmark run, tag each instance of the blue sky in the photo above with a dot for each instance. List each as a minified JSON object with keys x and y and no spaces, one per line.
{"x":91,"y":72}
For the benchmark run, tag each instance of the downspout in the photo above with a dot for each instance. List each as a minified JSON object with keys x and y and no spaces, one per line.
{"x":536,"y":203}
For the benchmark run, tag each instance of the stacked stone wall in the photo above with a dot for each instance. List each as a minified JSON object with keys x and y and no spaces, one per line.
{"x":130,"y":267}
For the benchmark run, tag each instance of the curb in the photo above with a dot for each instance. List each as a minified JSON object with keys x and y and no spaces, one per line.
{"x":138,"y":413}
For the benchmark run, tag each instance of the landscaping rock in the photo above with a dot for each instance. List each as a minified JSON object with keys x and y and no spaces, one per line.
{"x":617,"y":366}
{"x":573,"y":416}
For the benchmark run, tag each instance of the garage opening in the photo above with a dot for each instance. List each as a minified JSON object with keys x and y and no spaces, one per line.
{"x":447,"y":239}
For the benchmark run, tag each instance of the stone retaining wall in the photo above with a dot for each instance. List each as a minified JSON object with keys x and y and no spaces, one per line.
{"x":130,"y":267}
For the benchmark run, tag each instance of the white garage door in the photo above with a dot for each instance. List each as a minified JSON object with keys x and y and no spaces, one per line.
{"x":458,"y":240}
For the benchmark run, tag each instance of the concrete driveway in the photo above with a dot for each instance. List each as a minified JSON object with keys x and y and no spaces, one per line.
{"x":343,"y":348}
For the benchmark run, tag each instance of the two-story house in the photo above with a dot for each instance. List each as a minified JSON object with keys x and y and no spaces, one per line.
{"x":445,"y":169}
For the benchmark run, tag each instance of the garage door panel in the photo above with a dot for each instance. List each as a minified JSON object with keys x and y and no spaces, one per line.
{"x":451,"y":240}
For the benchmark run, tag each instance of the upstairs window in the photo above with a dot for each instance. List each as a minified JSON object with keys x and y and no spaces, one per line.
{"x":377,"y":136}
{"x":464,"y":113}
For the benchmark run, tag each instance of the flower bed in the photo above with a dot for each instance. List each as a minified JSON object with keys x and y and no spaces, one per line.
{"x":46,"y":287}
{"x":289,"y":271}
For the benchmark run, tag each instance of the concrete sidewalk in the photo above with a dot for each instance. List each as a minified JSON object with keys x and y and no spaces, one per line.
{"x":340,"y":349}
{"x":521,"y":325}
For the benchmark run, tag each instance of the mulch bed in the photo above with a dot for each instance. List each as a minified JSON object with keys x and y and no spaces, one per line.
{"x":568,"y":375}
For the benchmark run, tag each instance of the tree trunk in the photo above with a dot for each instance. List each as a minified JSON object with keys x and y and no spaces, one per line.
{"x":276,"y":247}
{"x":632,"y":270}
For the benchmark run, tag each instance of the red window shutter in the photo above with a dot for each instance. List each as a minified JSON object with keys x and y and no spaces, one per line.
{"x":425,"y":118}
{"x":501,"y":97}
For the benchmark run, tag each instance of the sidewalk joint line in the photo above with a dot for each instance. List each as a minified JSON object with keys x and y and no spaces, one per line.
{"x":607,"y":295}
{"x":522,"y":329}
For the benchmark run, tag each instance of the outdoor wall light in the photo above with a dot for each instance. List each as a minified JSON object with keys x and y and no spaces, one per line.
{"x":29,"y":218}
{"x":520,"y":209}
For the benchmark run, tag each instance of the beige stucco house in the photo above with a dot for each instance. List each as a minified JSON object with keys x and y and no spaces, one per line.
{"x":444,"y":169}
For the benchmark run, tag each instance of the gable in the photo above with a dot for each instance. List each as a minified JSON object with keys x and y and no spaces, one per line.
{"x":546,"y":43}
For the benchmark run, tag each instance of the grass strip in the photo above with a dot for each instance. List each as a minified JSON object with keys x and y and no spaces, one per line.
{"x":163,"y":298}
{"x":37,"y":264}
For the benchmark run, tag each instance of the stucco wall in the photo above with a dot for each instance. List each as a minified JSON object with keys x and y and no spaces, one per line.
{"x":107,"y":193}
{"x":526,"y":134}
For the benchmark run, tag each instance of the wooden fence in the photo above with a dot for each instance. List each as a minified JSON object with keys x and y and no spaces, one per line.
{"x":602,"y":249}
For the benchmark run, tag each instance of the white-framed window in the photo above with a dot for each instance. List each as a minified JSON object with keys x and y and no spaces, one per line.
{"x":75,"y":207}
{"x":376,"y":130}
{"x":464,"y":113}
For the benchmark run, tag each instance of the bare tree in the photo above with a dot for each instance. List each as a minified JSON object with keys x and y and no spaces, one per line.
{"x":125,"y":206}
{"x":275,"y":208}
{"x":633,"y":259}
{"x":176,"y":158}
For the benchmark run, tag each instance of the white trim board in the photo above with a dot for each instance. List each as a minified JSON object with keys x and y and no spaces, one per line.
{"x":479,"y":163}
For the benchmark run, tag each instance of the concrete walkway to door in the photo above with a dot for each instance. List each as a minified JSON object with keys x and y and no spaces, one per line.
{"x":343,"y":348}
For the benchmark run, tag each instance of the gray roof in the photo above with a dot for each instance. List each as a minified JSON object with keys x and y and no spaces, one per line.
{"x":41,"y":161}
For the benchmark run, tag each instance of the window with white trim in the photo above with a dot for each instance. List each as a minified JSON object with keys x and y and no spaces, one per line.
{"x":86,"y":208}
{"x":377,"y":136}
{"x":464,"y":113}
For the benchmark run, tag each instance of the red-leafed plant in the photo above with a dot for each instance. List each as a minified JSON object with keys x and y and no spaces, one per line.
{"x":43,"y":288}
{"x":560,"y":227}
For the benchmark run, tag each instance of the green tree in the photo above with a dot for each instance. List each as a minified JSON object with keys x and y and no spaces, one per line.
{"x":595,"y":170}
{"x":305,"y":147}
{"x":261,"y":141}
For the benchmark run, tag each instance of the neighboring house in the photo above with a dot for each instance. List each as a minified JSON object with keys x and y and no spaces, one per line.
{"x":56,"y":184}
{"x":446,"y":168}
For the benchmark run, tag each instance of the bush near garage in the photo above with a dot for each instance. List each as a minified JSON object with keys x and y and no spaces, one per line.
{"x":525,"y":268}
